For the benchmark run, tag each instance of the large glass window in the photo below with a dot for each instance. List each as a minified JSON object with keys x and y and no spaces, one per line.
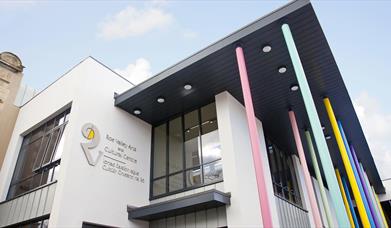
{"x":283,"y":174}
{"x":39,"y":157}
{"x":186,"y":152}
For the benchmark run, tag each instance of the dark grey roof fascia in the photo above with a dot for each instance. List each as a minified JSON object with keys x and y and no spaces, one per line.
{"x":203,"y":200}
{"x":228,"y":40}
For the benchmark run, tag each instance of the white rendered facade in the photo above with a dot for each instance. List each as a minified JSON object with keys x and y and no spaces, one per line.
{"x":85,"y":193}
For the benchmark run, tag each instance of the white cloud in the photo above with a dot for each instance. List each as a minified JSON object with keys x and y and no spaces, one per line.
{"x":132,"y":21}
{"x":137,"y":72}
{"x":189,"y":34}
{"x":376,"y":125}
{"x":10,"y":5}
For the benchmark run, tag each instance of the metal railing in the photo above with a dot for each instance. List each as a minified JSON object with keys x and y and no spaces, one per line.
{"x":291,"y":215}
{"x":32,"y":204}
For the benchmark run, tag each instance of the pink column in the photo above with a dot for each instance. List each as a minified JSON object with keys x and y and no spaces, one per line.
{"x":307,"y":177}
{"x":255,"y":142}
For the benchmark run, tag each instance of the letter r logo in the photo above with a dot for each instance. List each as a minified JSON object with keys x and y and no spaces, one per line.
{"x":91,"y":133}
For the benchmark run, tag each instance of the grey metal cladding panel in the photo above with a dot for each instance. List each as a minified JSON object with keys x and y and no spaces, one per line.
{"x":29,"y":206}
{"x":187,"y":204}
{"x":42,"y":201}
{"x":49,"y":199}
{"x":5,"y":210}
{"x":234,"y":37}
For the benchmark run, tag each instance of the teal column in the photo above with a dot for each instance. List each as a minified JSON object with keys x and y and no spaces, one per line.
{"x":325,"y":201}
{"x":345,"y":186}
{"x":320,"y":141}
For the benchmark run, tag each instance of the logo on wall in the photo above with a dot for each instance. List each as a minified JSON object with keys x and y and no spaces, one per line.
{"x":91,"y":133}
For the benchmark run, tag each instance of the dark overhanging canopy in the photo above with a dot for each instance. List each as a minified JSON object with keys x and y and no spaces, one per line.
{"x":214,"y":70}
{"x":187,"y":204}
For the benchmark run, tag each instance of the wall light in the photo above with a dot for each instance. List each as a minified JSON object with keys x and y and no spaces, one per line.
{"x":266,"y":48}
{"x":282,"y":69}
{"x":160,"y":100}
{"x":294,"y":88}
{"x":137,"y":111}
{"x":328,"y":137}
{"x":188,"y":87}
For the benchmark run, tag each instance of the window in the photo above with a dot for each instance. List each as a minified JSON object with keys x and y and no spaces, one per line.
{"x":283,"y":175}
{"x":39,"y":157}
{"x":186,"y":152}
{"x":43,"y":223}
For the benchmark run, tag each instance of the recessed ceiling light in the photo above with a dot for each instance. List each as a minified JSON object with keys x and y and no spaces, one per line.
{"x":294,"y":87}
{"x":160,"y":100}
{"x":328,"y":137}
{"x":137,"y":111}
{"x":187,"y":87}
{"x":323,"y":127}
{"x":282,"y":69}
{"x":266,"y":48}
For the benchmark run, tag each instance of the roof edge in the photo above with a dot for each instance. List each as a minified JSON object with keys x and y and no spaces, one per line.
{"x":224,"y":42}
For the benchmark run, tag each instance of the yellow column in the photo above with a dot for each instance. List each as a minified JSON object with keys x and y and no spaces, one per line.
{"x":348,"y":166}
{"x":345,"y":200}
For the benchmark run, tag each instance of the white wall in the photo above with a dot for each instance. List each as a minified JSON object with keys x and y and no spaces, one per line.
{"x":387,"y":195}
{"x":85,"y":192}
{"x":238,"y":168}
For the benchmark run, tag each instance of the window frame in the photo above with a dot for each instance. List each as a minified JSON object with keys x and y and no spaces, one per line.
{"x":42,"y":168}
{"x":184,"y":169}
{"x":282,"y":165}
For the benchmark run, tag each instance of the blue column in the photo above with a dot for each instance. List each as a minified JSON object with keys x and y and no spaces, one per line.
{"x":372,"y":221}
{"x":345,"y":186}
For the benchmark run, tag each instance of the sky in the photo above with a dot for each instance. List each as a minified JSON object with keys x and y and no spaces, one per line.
{"x":141,"y":38}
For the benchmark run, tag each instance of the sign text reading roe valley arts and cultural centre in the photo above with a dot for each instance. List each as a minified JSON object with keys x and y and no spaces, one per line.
{"x":119,"y":158}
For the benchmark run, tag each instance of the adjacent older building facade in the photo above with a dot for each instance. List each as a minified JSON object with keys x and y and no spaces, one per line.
{"x":11,"y":73}
{"x":256,"y":130}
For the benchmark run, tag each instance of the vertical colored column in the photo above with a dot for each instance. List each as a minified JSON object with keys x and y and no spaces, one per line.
{"x":307,"y":177}
{"x":320,"y":141}
{"x":318,"y":175}
{"x":345,"y":200}
{"x":380,"y":207}
{"x":254,"y":138}
{"x":349,"y":198}
{"x":371,"y":196}
{"x":365,"y":187}
{"x":347,"y":165}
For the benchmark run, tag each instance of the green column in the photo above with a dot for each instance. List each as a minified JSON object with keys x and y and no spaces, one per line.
{"x":320,"y":141}
{"x":326,"y":205}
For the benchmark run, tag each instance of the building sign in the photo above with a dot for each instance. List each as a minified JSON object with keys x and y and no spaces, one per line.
{"x":118,"y":157}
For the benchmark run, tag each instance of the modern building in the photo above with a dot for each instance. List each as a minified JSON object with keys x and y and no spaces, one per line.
{"x":256,"y":130}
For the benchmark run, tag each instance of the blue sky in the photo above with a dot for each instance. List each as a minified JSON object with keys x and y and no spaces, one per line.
{"x":139,"y":39}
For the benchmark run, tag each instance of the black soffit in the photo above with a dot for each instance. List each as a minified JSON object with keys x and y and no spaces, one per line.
{"x":214,"y":70}
{"x":200,"y":201}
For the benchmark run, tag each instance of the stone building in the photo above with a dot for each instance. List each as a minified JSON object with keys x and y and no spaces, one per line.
{"x":11,"y":73}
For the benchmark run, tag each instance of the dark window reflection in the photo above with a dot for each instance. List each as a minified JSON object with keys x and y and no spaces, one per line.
{"x":193,"y":151}
{"x":283,"y":174}
{"x":39,"y":157}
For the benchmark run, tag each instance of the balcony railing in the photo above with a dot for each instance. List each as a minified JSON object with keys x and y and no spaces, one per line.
{"x":36,"y":203}
{"x":291,"y":215}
